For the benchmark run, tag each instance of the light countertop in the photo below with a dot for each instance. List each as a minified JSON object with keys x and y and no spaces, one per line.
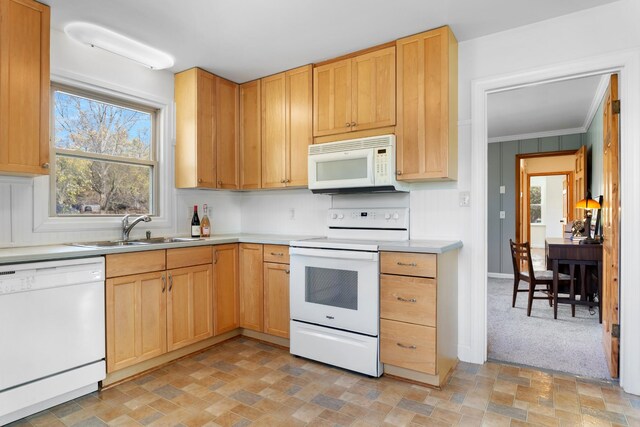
{"x":67,"y":251}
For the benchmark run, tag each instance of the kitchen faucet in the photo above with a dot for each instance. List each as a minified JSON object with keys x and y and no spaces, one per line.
{"x":126,"y":227}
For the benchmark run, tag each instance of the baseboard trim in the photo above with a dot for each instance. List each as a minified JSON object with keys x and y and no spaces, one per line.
{"x":500,"y":275}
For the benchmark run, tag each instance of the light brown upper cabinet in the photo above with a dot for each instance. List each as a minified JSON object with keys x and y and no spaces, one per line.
{"x":250,"y":136}
{"x":24,"y":87}
{"x":355,"y":94}
{"x":206,"y":131}
{"x":427,"y":91}
{"x":286,"y":127}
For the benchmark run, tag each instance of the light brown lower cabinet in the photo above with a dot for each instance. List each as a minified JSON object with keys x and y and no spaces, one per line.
{"x":251,"y":287}
{"x":189,"y":305}
{"x":276,"y":299}
{"x":418,"y":315}
{"x":136,"y":319}
{"x":226,"y":313}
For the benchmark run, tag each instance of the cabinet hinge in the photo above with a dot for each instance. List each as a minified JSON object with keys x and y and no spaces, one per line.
{"x":615,"y":330}
{"x":615,"y":106}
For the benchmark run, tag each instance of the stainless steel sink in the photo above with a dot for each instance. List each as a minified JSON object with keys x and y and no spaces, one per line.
{"x":137,"y":242}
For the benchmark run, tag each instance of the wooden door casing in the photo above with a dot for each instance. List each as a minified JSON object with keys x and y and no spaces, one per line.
{"x":226,"y":313}
{"x":276,"y":299}
{"x":611,"y":228}
{"x":24,"y":87}
{"x":251,"y":287}
{"x":136,"y":319}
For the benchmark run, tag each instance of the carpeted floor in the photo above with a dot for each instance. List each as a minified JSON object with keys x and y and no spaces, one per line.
{"x":572,"y":345}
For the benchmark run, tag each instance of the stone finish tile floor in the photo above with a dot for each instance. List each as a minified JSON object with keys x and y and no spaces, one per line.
{"x":244,"y":382}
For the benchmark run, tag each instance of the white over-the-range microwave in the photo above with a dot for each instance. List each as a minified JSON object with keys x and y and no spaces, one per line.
{"x":355,"y":166}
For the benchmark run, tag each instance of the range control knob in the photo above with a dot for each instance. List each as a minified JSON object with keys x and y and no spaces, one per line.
{"x":340,"y":216}
{"x":396,"y":216}
{"x":387,"y":216}
{"x":334,"y":216}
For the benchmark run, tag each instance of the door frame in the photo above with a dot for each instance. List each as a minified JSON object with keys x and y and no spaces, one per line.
{"x":627,"y":64}
{"x":517,"y":184}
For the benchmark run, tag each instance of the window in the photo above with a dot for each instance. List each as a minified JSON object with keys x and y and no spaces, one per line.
{"x":104,"y":155}
{"x":535,"y":202}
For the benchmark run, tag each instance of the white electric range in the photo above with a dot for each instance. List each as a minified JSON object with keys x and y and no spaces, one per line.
{"x":335,"y":288}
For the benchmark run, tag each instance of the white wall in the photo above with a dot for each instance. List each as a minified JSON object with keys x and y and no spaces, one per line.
{"x":552,"y":205}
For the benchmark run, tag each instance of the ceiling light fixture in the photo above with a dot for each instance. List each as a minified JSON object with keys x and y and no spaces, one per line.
{"x":103,"y":38}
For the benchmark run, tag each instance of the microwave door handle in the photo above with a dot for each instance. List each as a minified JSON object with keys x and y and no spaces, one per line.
{"x":328,"y":253}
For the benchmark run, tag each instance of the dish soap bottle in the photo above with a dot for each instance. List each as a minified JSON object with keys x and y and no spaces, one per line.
{"x":195,"y":223}
{"x":205,"y":225}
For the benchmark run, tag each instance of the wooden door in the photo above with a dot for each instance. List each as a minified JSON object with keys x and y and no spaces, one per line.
{"x":299,"y":124}
{"x":580,"y":179}
{"x":189,"y":305}
{"x":136,"y":320}
{"x":276,"y":299}
{"x":611,"y":228}
{"x":524,"y":202}
{"x":227,"y":134}
{"x":24,"y":87}
{"x":226,"y":313}
{"x":250,"y":136}
{"x":374,"y":89}
{"x":332,"y":98}
{"x":251,"y":287}
{"x":426,"y":131}
{"x":274,"y":136}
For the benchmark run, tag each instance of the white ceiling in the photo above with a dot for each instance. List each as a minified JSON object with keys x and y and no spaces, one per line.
{"x":552,"y":108}
{"x":246,"y":39}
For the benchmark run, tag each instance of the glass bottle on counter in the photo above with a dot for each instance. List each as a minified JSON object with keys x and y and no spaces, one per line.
{"x":195,"y":223}
{"x":205,"y":225}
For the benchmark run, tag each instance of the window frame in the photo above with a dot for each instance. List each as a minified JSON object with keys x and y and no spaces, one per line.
{"x":154,"y":204}
{"x":536,"y":204}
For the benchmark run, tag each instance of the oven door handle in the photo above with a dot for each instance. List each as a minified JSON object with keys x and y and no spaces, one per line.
{"x":330,"y":253}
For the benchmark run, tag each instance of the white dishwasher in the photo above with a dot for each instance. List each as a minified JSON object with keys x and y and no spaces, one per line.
{"x":52,"y":334}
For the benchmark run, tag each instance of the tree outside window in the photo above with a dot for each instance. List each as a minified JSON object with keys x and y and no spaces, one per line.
{"x":104,"y":155}
{"x":535,"y":203}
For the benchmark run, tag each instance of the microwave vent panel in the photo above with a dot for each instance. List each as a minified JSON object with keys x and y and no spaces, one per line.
{"x":352,"y":144}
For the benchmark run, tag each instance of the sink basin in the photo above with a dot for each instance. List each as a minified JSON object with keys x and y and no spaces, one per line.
{"x":137,"y":242}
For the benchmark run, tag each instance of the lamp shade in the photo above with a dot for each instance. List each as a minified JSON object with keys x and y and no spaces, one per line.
{"x":587,"y":204}
{"x":103,"y":38}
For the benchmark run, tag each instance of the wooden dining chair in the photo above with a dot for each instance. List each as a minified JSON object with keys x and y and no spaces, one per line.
{"x":521,"y":256}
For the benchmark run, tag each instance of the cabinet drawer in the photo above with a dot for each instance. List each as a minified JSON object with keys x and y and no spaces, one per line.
{"x":276,"y":253}
{"x":186,"y":257}
{"x":408,"y":346}
{"x":134,"y":263}
{"x":408,"y":299}
{"x":408,"y":264}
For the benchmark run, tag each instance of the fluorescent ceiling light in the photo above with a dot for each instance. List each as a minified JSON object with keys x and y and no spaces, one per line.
{"x":103,"y":38}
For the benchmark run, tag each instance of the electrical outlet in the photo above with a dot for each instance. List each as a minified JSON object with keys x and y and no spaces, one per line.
{"x":292,"y":213}
{"x":503,"y":189}
{"x":464,"y":198}
{"x":503,"y":215}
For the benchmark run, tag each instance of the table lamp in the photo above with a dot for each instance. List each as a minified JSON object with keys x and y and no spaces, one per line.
{"x":588,"y":205}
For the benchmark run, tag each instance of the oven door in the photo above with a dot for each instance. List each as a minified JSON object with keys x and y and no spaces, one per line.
{"x":343,"y":169}
{"x":335,"y":288}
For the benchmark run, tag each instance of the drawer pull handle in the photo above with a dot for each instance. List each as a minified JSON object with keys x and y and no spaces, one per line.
{"x":164,"y":283}
{"x":277,"y":253}
{"x":170,"y":282}
{"x":408,"y":347}
{"x":412,"y":300}
{"x":407,"y":264}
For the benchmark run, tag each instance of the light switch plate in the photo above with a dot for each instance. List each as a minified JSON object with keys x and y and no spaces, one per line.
{"x":465,"y":199}
{"x":503,"y":189}
{"x":503,"y":215}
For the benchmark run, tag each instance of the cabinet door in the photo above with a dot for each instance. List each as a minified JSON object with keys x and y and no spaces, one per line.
{"x":227,"y":134}
{"x":274,"y":131}
{"x":276,"y":299}
{"x":426,"y":132}
{"x":136,"y":319}
{"x":251,"y":287}
{"x":250,"y":136}
{"x":332,"y":98}
{"x":226,"y":316}
{"x":24,"y":87}
{"x":189,"y":305}
{"x":299,"y":124}
{"x":374,"y":89}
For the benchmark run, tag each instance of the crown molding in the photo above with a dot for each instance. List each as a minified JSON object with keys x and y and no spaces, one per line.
{"x":523,"y":136}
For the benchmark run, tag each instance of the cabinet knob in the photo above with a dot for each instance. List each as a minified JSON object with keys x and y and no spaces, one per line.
{"x":399,"y":173}
{"x":348,"y":125}
{"x":45,"y":165}
{"x":282,"y":181}
{"x":353,"y":124}
{"x":219,"y":182}
{"x":287,"y":181}
{"x":287,"y":271}
{"x":199,"y":180}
